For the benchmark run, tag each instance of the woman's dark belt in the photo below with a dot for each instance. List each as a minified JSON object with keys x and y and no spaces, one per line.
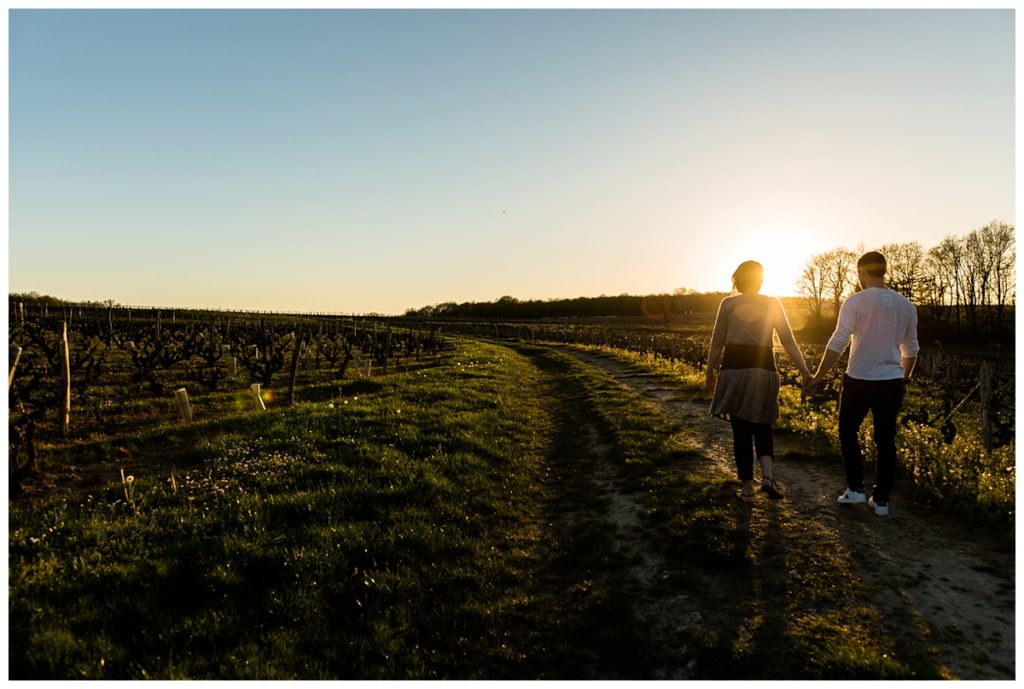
{"x":748,"y":356}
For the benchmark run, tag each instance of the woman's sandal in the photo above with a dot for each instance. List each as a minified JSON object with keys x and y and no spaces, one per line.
{"x":744,"y":497}
{"x":770,"y":487}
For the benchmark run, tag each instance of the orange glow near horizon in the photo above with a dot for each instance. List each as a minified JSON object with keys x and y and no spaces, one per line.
{"x":783,"y":247}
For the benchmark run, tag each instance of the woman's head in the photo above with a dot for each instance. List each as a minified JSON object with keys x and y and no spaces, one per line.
{"x":748,"y":277}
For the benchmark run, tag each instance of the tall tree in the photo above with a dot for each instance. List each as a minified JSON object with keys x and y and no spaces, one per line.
{"x":905,"y":267}
{"x":811,"y":285}
{"x":1002,"y":252}
{"x":839,"y":272}
{"x":939,"y":284}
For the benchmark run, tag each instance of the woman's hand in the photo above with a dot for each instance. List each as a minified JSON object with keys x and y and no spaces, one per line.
{"x":710,"y":380}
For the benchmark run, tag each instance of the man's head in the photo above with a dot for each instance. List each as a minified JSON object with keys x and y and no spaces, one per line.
{"x":871,"y":269}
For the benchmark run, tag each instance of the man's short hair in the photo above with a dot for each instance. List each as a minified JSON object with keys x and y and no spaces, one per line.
{"x":873,"y":263}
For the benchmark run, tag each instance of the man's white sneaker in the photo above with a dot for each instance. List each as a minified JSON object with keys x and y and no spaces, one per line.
{"x":881,"y":508}
{"x":853,"y":497}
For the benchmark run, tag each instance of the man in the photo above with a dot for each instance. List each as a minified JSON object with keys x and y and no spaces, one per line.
{"x":882,"y":326}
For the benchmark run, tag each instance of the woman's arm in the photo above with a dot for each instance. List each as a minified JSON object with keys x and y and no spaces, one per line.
{"x":717,"y":345}
{"x":789,"y":342}
{"x":714,"y":358}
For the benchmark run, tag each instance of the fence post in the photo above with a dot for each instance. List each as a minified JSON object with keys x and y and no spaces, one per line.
{"x":65,"y":362}
{"x":232,"y":360}
{"x":296,"y":347}
{"x":14,"y":366}
{"x":986,"y":405}
{"x":319,"y":341}
{"x":184,"y":408}
{"x":254,"y":389}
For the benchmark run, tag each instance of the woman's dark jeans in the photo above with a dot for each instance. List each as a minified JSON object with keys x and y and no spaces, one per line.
{"x":883,"y":398}
{"x":745,"y":432}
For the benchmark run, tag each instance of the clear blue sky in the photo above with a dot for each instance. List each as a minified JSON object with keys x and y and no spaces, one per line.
{"x":357,"y":161}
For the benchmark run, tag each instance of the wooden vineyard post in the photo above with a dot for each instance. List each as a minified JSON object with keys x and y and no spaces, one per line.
{"x":297,"y":340}
{"x":14,"y":366}
{"x":986,"y":405}
{"x":257,"y":399}
{"x":184,"y":408}
{"x":65,"y":363}
{"x":319,"y":341}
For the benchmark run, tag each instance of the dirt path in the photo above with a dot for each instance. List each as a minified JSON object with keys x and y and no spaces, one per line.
{"x":944,"y":586}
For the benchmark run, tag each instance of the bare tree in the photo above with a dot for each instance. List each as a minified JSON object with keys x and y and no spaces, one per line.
{"x":976,"y":273}
{"x":905,"y":267}
{"x":939,"y":283}
{"x":1002,"y":254}
{"x":839,"y":272}
{"x":811,"y":285}
{"x":950,"y":254}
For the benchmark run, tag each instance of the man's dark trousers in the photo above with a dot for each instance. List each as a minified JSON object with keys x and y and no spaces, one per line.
{"x":883,"y":398}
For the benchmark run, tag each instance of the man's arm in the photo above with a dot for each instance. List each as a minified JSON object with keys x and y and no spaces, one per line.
{"x":828,"y":360}
{"x":908,"y":364}
{"x":909,"y":346}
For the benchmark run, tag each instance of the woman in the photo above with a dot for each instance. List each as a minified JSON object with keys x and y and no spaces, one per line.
{"x":746,"y":392}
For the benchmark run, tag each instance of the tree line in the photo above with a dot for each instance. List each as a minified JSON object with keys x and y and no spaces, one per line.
{"x":653,"y":306}
{"x":964,"y":287}
{"x":965,"y":284}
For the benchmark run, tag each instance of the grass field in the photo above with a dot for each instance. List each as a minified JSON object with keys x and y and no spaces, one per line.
{"x":441,"y":522}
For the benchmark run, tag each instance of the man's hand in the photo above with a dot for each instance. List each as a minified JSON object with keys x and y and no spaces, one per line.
{"x":814,"y":384}
{"x":710,"y":380}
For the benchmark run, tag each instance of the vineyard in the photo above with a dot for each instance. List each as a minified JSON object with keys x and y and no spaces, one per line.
{"x":80,"y":374}
{"x":956,"y":444}
{"x":228,"y":495}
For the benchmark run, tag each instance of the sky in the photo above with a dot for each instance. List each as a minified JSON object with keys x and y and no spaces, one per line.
{"x":357,"y":161}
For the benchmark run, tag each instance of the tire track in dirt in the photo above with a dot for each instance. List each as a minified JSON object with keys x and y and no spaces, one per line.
{"x":942,"y":587}
{"x":611,"y":597}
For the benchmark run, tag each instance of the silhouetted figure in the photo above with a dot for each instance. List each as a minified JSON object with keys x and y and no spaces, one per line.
{"x":880,"y":326}
{"x":746,"y":390}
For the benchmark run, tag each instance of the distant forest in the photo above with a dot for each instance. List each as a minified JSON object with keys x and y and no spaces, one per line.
{"x":653,"y":306}
{"x":964,"y":289}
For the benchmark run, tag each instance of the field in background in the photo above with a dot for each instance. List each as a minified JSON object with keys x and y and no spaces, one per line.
{"x":385,"y":508}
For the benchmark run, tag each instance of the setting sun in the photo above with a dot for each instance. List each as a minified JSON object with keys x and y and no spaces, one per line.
{"x":782,"y":248}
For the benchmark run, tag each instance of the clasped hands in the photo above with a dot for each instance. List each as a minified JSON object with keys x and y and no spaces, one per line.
{"x":810,"y":384}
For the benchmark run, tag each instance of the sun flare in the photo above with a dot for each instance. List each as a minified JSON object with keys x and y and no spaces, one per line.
{"x":782,"y":248}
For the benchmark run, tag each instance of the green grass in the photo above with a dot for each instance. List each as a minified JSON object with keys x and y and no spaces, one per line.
{"x":780,"y":597}
{"x":444,"y":522}
{"x":382,"y":538}
{"x":960,"y":476}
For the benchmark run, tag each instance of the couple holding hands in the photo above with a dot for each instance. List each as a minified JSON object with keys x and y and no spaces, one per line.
{"x":880,"y":327}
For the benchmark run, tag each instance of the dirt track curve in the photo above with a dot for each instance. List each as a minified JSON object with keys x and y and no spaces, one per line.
{"x":956,"y":587}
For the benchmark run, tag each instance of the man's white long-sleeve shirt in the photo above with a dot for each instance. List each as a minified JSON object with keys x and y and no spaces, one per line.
{"x":882,"y":325}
